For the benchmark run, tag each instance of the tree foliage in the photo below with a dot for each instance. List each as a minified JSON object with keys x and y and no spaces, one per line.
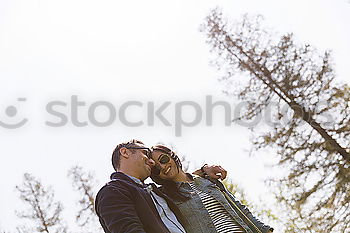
{"x":84,"y":183}
{"x":261,"y":210}
{"x":43,"y":209}
{"x":45,"y":212}
{"x":310,"y":127}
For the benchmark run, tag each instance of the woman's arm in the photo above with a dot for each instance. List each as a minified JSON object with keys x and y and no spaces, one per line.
{"x":244,"y":209}
{"x":213,"y":171}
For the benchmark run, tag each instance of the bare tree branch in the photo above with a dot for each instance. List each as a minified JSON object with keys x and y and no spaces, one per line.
{"x":43,"y":210}
{"x":84,"y":183}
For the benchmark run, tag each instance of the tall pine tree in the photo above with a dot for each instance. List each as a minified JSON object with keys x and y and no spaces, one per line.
{"x":310,"y":129}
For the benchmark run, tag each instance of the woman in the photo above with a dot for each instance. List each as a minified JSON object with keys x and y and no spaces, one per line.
{"x":205,"y":203}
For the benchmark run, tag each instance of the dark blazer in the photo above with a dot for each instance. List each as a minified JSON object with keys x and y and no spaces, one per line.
{"x":123,"y":206}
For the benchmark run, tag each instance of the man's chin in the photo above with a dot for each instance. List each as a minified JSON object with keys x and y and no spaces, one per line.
{"x":148,"y":172}
{"x":145,"y":177}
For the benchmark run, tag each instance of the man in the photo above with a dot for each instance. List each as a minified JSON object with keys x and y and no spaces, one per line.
{"x":126,"y":205}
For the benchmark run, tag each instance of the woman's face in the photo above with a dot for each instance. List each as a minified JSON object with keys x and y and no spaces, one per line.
{"x":167,"y":166}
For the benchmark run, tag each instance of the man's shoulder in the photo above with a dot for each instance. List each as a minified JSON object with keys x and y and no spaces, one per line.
{"x":118,"y":191}
{"x":119,"y":177}
{"x":118,"y":182}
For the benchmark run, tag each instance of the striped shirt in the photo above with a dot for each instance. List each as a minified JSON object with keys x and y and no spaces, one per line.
{"x":222,"y":220}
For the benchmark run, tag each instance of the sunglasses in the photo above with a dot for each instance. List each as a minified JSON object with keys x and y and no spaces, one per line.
{"x":164,"y":158}
{"x":145,"y":150}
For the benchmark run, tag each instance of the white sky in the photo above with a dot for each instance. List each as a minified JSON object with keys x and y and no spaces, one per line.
{"x":132,"y":50}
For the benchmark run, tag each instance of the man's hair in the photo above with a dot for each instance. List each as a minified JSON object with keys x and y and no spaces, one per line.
{"x":116,"y":152}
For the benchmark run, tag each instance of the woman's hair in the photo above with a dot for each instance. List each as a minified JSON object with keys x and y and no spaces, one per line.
{"x":169,"y":187}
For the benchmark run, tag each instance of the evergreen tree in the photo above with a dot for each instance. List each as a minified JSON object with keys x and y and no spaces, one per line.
{"x":310,"y":128}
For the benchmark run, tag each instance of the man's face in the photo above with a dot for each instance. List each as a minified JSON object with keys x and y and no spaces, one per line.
{"x":167,"y":166}
{"x":141,"y":163}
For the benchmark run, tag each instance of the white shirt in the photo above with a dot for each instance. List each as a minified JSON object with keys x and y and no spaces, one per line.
{"x":166,"y":214}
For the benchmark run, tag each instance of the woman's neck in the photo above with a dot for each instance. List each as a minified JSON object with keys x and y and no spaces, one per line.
{"x":181,"y":177}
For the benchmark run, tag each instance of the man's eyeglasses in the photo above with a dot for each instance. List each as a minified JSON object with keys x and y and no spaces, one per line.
{"x":164,"y":158}
{"x":145,"y":150}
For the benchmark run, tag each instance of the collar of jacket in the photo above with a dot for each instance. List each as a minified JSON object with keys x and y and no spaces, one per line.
{"x":121,"y":176}
{"x":180,"y":183}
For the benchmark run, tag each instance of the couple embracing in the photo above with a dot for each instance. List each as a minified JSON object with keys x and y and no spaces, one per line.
{"x":181,"y":203}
